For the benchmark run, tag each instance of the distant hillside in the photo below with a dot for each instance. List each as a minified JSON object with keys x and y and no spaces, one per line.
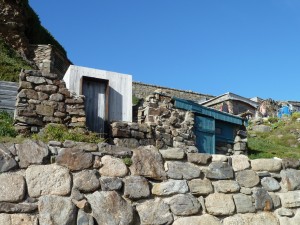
{"x":275,"y":137}
{"x":20,"y":27}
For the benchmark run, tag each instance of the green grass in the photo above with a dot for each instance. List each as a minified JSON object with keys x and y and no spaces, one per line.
{"x":281,"y":142}
{"x":6,"y":125}
{"x":10,"y":63}
{"x":59,"y":132}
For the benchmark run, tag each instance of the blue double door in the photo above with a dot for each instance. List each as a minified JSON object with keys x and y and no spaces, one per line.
{"x":205,"y":134}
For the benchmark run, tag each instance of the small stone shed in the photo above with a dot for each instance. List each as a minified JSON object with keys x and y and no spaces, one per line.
{"x":214,"y":130}
{"x":108,"y":95}
{"x":232,"y":103}
{"x":167,"y":122}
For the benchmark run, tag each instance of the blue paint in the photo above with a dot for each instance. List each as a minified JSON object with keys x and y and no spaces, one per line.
{"x":285,"y":110}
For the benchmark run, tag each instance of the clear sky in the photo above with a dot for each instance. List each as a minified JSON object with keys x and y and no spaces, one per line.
{"x":248,"y":47}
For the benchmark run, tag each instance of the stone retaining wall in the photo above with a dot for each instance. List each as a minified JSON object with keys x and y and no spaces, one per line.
{"x":84,"y":183}
{"x":43,"y":98}
{"x":141,"y":90}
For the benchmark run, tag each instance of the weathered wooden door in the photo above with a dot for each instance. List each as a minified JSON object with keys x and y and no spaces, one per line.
{"x":205,"y":134}
{"x":96,"y":97}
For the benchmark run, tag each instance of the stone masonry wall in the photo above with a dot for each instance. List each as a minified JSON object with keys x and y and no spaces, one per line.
{"x":162,"y":125}
{"x":49,"y":59}
{"x":43,"y":98}
{"x":82,"y":183}
{"x":141,"y":90}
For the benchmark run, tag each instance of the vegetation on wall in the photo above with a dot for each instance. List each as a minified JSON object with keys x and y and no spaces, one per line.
{"x":10,"y":63}
{"x":6,"y":125}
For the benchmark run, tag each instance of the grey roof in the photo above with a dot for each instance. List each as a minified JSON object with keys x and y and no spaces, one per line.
{"x":229,"y":96}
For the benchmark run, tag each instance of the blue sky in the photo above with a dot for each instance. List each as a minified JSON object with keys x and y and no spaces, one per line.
{"x":249,"y":47}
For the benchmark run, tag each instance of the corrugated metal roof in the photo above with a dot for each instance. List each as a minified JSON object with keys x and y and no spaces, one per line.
{"x":194,"y":107}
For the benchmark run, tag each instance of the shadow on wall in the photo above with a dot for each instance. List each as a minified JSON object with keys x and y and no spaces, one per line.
{"x":115,"y":105}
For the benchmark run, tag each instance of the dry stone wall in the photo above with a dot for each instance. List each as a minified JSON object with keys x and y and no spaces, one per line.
{"x":162,"y":125}
{"x":141,"y":90}
{"x":43,"y":98}
{"x":84,"y":183}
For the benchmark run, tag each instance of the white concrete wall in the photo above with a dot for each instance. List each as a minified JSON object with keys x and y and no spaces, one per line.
{"x":120,"y":92}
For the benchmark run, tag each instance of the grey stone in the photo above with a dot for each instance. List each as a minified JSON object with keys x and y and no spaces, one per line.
{"x":7,"y":162}
{"x":126,"y":142}
{"x":182,"y":170}
{"x":240,"y":162}
{"x":270,"y":184}
{"x":6,"y":207}
{"x":36,"y":80}
{"x":86,"y":181}
{"x":285,"y":212}
{"x":111,"y":183}
{"x":263,"y":200}
{"x":219,"y":158}
{"x":56,"y":210}
{"x":243,"y":203}
{"x":88,"y":147}
{"x":219,"y":171}
{"x":184,"y":205}
{"x":108,"y":207}
{"x":57,"y":97}
{"x":74,"y":159}
{"x":172,"y":153}
{"x":285,"y":220}
{"x":199,"y":158}
{"x":218,"y":204}
{"x":48,"y":89}
{"x":113,"y":167}
{"x":119,"y":151}
{"x":18,"y":219}
{"x":290,"y":179}
{"x":148,"y":212}
{"x":45,"y":110}
{"x":170,"y":187}
{"x":42,"y":96}
{"x":246,"y":191}
{"x":276,"y":200}
{"x":12,"y":187}
{"x":29,"y":120}
{"x":261,"y":128}
{"x":28,"y":93}
{"x":48,"y":180}
{"x":55,"y":143}
{"x":200,"y":186}
{"x":271,"y":165}
{"x":84,"y":218}
{"x":262,"y":218}
{"x":148,"y":162}
{"x":31,"y":152}
{"x":136,"y":187}
{"x":239,"y":146}
{"x":247,"y":178}
{"x":290,"y":163}
{"x":226,"y":186}
{"x":290,"y":199}
{"x":205,"y":219}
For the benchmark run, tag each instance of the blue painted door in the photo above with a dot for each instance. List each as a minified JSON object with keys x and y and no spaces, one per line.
{"x":205,"y":134}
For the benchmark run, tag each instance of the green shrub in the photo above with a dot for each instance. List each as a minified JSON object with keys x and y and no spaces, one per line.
{"x":59,"y":132}
{"x":6,"y":125}
{"x":127,"y":161}
{"x":295,"y":116}
{"x":10,"y":63}
{"x":135,"y":100}
{"x":273,"y":119}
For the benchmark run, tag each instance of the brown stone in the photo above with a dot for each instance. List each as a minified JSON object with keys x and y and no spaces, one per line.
{"x":49,"y":89}
{"x":148,"y":162}
{"x":74,"y":159}
{"x":44,"y":110}
{"x":28,"y":93}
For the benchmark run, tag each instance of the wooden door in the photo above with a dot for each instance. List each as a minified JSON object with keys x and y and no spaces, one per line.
{"x":205,"y":134}
{"x":96,"y":102}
